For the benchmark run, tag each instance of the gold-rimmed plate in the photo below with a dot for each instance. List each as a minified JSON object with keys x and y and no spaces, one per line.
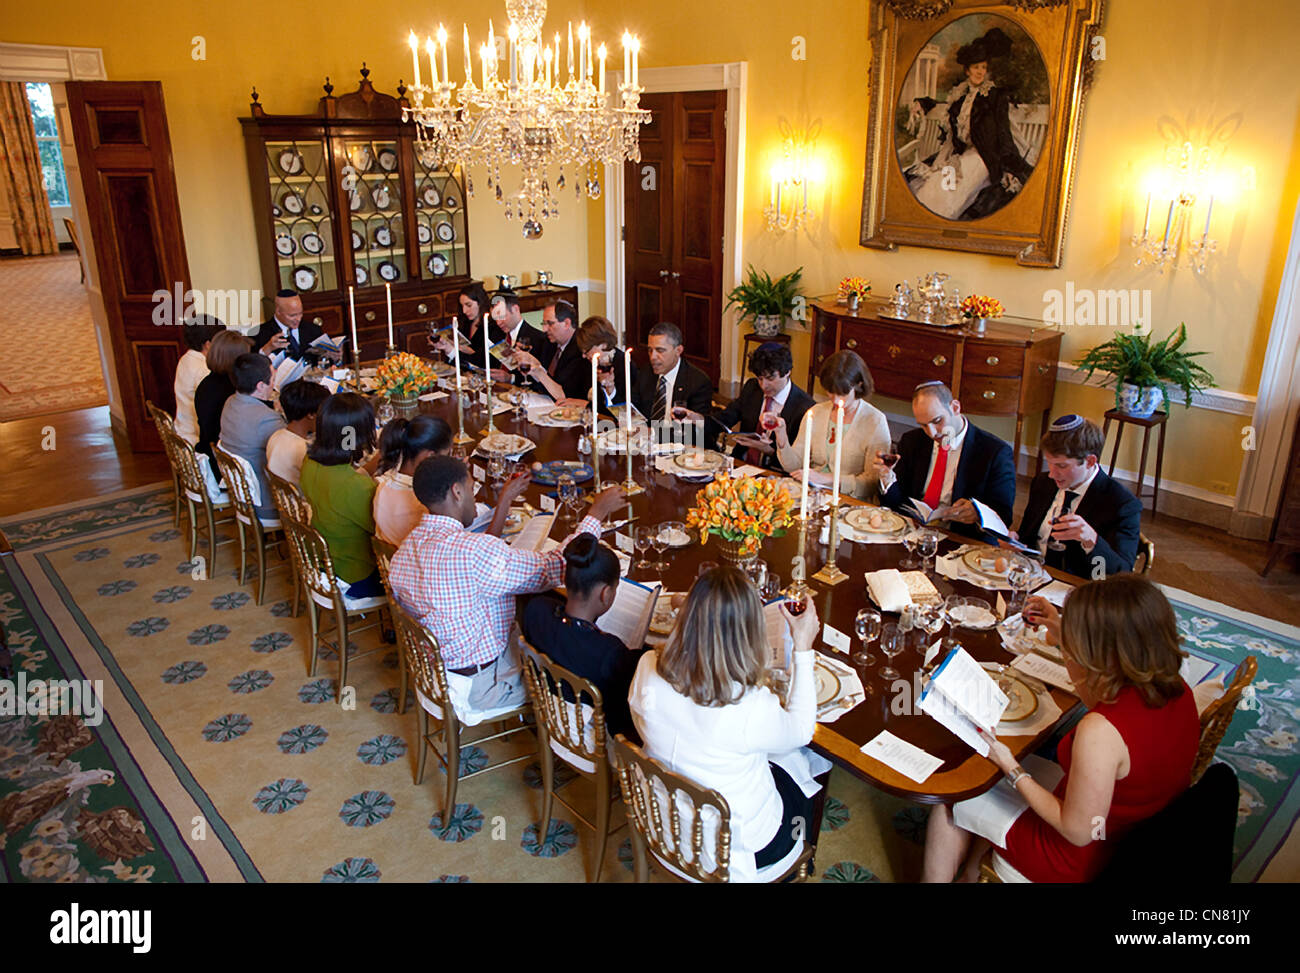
{"x":829,"y":684}
{"x":506,"y":443}
{"x":1023,"y":700}
{"x":874,"y":520}
{"x":995,"y":564}
{"x":700,"y":461}
{"x":566,"y":413}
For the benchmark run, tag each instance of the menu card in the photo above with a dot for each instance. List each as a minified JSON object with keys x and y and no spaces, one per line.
{"x":1043,"y":668}
{"x":897,"y":754}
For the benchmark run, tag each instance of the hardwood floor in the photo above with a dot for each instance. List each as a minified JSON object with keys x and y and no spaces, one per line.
{"x":87,"y":461}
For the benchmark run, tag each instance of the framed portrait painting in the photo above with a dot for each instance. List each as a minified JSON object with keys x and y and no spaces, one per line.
{"x":973,"y":123}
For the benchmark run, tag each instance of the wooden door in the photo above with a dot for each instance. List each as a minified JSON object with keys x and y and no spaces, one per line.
{"x":673,"y":214}
{"x":124,"y":152}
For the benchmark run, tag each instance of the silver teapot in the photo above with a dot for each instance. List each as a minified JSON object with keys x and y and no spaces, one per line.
{"x":543,"y":278}
{"x":506,"y":282}
{"x":901,"y":304}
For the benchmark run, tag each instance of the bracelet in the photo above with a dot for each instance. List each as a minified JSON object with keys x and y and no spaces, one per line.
{"x":1017,"y":773}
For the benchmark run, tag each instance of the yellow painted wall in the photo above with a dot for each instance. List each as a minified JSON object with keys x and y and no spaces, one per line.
{"x":1189,"y":59}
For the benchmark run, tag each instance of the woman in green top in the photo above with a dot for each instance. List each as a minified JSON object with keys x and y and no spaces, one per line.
{"x":341,"y":496}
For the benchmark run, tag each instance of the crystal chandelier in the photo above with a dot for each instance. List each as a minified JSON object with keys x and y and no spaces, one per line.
{"x":526,"y":116}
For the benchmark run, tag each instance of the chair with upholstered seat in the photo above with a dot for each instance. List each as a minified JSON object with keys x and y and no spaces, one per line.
{"x":290,"y":502}
{"x":165,"y":423}
{"x":384,"y":552}
{"x":325,"y":594}
{"x":194,"y":487}
{"x":435,"y":695}
{"x":1217,"y":717}
{"x":573,"y":731}
{"x":650,"y":790}
{"x":241,"y":484}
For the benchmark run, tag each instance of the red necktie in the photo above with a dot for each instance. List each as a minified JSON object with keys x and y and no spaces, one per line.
{"x":752,"y":456}
{"x":935,"y":487}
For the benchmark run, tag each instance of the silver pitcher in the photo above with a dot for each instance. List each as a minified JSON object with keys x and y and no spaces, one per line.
{"x":543,"y":278}
{"x":506,"y":282}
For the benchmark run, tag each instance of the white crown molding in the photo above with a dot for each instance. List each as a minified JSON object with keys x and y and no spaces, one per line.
{"x":43,"y":62}
{"x":1216,"y":400}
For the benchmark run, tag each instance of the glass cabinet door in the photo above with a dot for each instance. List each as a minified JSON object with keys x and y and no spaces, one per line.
{"x":372,"y":190}
{"x":300,"y":214}
{"x":440,"y":221}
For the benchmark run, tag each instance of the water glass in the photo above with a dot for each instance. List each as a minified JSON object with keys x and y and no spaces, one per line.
{"x":660,"y":542}
{"x":867,"y":627}
{"x":642,"y":538}
{"x":892,"y":639}
{"x":1020,"y":577}
{"x":564,"y":487}
{"x":910,"y":540}
{"x":496,"y":468}
{"x":927,"y":545}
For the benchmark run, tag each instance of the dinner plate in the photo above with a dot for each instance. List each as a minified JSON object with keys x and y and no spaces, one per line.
{"x":566,"y":413}
{"x":445,"y":231}
{"x":315,"y":209}
{"x":507,"y":444}
{"x":437,"y":265}
{"x":383,"y":237}
{"x":859,"y":518}
{"x":971,"y":613}
{"x":362,"y":159}
{"x":388,"y":271}
{"x":423,"y":233}
{"x":312,"y":243}
{"x":684,"y":538}
{"x":290,"y":162}
{"x":665,"y":616}
{"x":387,"y":160}
{"x":431,"y":197}
{"x":358,"y":242}
{"x":450,"y":202}
{"x":985,"y":561}
{"x":381,"y":197}
{"x":550,"y":473}
{"x":285,"y":245}
{"x":292,"y":203}
{"x":304,"y":278}
{"x":362,"y":275}
{"x":1023,"y":701}
{"x":700,"y":461}
{"x":829,"y":684}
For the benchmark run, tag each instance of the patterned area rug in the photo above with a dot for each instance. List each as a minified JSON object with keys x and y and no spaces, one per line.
{"x":44,"y":298}
{"x":220,"y":758}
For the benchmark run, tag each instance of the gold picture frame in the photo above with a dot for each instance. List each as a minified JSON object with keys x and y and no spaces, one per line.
{"x":1004,"y":188}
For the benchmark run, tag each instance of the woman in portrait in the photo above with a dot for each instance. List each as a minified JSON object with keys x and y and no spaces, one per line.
{"x":978,"y":169}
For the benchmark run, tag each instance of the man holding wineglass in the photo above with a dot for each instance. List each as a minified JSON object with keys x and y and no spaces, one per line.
{"x":566,"y":375}
{"x":947,"y":462}
{"x":1094,"y":521}
{"x":765,"y":397}
{"x":519,"y":336}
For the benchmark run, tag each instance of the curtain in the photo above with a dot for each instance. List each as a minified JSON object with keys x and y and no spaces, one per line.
{"x":20,"y":169}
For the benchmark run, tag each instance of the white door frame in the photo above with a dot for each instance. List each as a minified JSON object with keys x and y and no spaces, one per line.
{"x":732,"y":78}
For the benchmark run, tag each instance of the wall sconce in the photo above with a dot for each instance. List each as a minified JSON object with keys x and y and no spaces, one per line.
{"x":787,"y":207}
{"x":1188,"y":177}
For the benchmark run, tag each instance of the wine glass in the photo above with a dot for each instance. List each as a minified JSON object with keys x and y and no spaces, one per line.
{"x":771,"y":587}
{"x":892,"y":457}
{"x":930,"y":621}
{"x":1020,"y":577}
{"x":891,"y":643}
{"x":496,"y":468}
{"x":910,"y":540}
{"x":659,"y":540}
{"x":564,"y":487}
{"x":757,"y":572}
{"x":927,"y":545}
{"x":576,"y":494}
{"x":867,"y":626}
{"x":384,"y":414}
{"x":767,"y":422}
{"x":642,"y":538}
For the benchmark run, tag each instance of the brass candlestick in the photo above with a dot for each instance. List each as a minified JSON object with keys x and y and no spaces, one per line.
{"x":830,"y":572}
{"x":356,"y":370}
{"x":460,"y":439}
{"x":630,"y":486}
{"x":798,"y":589}
{"x":390,"y":351}
{"x":487,"y":389}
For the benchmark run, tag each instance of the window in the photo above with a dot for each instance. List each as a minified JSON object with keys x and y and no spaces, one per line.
{"x":47,"y":143}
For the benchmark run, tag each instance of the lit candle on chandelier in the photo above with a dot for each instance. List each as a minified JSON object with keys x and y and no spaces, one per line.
{"x":469,"y":60}
{"x":1209,"y":209}
{"x":442,"y":40}
{"x":429,"y":49}
{"x":415,"y":57}
{"x":570,"y":59}
{"x":600,"y":52}
{"x":1146,"y":220}
{"x":513,"y":34}
{"x":627,"y":57}
{"x":1169,"y":224}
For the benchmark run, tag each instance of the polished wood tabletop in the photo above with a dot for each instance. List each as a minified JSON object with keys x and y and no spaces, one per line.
{"x":963,"y":773}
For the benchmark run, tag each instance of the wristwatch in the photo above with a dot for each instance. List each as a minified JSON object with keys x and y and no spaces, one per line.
{"x":1017,"y":772}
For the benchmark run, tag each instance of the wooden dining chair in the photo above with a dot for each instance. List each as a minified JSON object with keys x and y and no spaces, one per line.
{"x":71,"y":227}
{"x":194,"y":487}
{"x":572,"y":730}
{"x":1217,"y":717}
{"x":429,"y":677}
{"x":649,"y":790}
{"x":326,"y":600}
{"x":384,"y":552}
{"x":253,"y":531}
{"x":163,"y":422}
{"x":1146,"y":555}
{"x":290,"y":502}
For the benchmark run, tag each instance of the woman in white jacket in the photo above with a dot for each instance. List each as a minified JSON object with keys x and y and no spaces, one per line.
{"x":701,"y":706}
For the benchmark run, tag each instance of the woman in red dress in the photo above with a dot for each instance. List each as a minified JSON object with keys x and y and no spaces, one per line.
{"x":1128,"y":758}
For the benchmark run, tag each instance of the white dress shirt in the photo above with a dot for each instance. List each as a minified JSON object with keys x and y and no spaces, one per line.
{"x":190,"y":370}
{"x":949,"y":471}
{"x":670,"y":379}
{"x":1045,"y":529}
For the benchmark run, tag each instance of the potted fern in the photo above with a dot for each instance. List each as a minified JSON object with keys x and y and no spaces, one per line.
{"x":765,"y":301}
{"x":1141,"y":370}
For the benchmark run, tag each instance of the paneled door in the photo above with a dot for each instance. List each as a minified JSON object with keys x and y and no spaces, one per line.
{"x":673,"y":219}
{"x":124,"y":152}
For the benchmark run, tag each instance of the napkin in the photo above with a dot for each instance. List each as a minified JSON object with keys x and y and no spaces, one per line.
{"x":888,"y":589}
{"x":856,"y":694}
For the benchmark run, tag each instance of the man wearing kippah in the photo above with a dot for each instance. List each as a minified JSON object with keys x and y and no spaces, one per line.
{"x":948,"y":462}
{"x":286,"y":330}
{"x":1081,"y":519}
{"x":769,"y":391}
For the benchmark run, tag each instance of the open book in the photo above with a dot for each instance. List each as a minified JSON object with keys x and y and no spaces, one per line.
{"x":617,"y":412}
{"x":629,"y":617}
{"x":327,"y":344}
{"x":287,"y":370}
{"x":962,"y":696}
{"x":535,"y":533}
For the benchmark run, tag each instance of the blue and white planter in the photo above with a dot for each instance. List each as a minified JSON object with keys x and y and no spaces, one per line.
{"x":1140,"y":402}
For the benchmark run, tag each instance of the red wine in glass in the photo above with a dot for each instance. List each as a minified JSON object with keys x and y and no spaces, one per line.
{"x":891,"y":457}
{"x":797,"y":607}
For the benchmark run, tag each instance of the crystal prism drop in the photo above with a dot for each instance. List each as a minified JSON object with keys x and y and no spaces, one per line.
{"x":470,"y":185}
{"x":500,"y":194}
{"x":560,"y":182}
{"x":532,"y":230}
{"x":509,"y":215}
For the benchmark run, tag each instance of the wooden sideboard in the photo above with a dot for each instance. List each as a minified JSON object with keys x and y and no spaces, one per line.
{"x":1006,"y":370}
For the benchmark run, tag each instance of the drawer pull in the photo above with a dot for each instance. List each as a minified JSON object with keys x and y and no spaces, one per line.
{"x":851,"y":343}
{"x":370,"y":315}
{"x":990,"y":394}
{"x":422,"y":309}
{"x":1042,"y":369}
{"x":317,"y":321}
{"x":895,"y":351}
{"x":939,"y":360}
{"x":992,"y":359}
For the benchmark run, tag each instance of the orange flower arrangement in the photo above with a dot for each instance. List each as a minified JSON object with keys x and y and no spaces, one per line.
{"x":404,"y":374}
{"x":746,"y":510}
{"x":978,"y":306}
{"x":855,"y":285}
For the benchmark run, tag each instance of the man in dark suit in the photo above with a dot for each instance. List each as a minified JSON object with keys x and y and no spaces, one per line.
{"x":518,"y":333}
{"x":1073,"y":501}
{"x":770,"y":390}
{"x":567,"y":375}
{"x":672,"y":383}
{"x":948,"y":462}
{"x":286,"y":329}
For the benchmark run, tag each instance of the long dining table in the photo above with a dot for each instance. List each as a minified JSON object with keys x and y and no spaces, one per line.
{"x":963,"y":773}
